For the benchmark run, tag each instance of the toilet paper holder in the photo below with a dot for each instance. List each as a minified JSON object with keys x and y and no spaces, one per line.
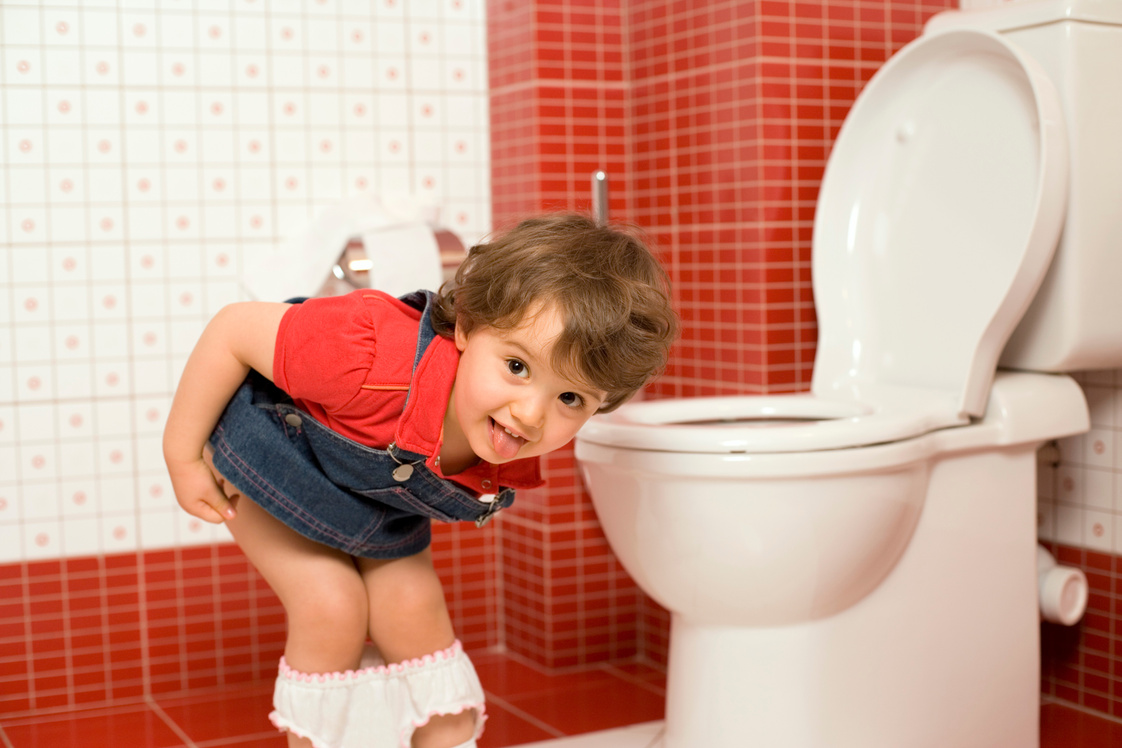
{"x":352,"y":270}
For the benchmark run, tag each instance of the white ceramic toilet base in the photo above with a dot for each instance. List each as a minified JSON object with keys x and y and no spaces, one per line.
{"x":944,"y":654}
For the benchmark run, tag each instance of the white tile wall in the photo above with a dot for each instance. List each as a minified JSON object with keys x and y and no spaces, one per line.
{"x":1080,"y":500}
{"x":145,"y":147}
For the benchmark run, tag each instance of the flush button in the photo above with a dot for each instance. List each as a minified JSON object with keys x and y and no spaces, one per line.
{"x":294,"y":420}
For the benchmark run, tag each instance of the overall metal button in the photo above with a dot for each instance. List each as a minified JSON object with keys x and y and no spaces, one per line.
{"x":294,"y":420}
{"x":402,"y":473}
{"x":492,"y":503}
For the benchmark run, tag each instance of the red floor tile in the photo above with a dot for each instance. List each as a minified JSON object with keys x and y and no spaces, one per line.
{"x":273,"y":741}
{"x":505,"y":728}
{"x":525,"y":705}
{"x":508,"y":678}
{"x":226,"y":713}
{"x":599,"y":706}
{"x":1062,"y":727}
{"x":133,"y":725}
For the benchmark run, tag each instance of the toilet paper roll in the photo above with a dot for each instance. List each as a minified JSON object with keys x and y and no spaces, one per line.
{"x":394,"y":231}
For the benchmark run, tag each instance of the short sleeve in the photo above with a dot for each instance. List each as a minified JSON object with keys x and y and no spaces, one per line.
{"x":325,"y":349}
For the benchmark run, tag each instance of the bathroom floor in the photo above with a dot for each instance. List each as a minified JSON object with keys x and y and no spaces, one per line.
{"x":525,"y":706}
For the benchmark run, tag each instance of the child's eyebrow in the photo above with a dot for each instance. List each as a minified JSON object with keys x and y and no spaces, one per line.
{"x":581,"y":388}
{"x":524,"y":351}
{"x":530,"y":357}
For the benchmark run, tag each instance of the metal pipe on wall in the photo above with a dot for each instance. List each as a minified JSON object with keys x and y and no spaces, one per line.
{"x":600,"y":197}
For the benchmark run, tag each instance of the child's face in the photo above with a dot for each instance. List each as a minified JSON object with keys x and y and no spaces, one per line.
{"x":508,"y":400}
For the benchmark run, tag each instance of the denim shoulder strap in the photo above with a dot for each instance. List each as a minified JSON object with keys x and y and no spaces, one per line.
{"x":422,"y":300}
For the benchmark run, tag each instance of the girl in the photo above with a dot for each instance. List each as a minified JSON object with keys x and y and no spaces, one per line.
{"x":328,"y":434}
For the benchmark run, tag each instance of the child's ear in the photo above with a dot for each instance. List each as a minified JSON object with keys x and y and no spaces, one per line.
{"x":461,"y":337}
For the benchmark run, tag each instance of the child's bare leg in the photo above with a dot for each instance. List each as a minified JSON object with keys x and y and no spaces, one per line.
{"x":320,"y":588}
{"x":409,"y":619}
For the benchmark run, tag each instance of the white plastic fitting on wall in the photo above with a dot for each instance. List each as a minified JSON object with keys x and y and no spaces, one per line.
{"x":1063,"y":590}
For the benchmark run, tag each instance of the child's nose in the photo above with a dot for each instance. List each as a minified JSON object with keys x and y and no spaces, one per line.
{"x":529,"y":411}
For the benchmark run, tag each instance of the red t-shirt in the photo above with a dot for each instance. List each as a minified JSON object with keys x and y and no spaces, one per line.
{"x":348,"y":362}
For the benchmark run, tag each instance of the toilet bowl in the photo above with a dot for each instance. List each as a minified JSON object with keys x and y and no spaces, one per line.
{"x":866,"y":597}
{"x":856,"y":565}
{"x":714,"y":526}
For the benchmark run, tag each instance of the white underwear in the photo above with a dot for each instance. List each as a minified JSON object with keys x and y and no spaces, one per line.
{"x":378,"y":705}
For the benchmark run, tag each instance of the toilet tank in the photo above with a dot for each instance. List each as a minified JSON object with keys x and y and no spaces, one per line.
{"x":1075,"y":321}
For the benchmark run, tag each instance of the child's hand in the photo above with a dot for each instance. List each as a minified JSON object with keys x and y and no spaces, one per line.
{"x":240,"y":337}
{"x":198,"y":493}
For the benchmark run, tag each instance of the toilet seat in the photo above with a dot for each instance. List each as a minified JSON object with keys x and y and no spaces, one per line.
{"x":939,"y":213}
{"x":759,"y":425}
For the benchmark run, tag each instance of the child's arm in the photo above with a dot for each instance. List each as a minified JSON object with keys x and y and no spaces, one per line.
{"x":240,"y":337}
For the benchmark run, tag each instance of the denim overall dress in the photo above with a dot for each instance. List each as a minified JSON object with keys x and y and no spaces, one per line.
{"x":375,"y":503}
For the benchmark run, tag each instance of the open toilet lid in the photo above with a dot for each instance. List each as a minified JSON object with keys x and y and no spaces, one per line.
{"x":939,"y":212}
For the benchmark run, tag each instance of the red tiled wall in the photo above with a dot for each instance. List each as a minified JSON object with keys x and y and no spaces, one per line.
{"x":734,"y":107}
{"x":101,"y":630}
{"x":559,"y":99}
{"x":88,"y":631}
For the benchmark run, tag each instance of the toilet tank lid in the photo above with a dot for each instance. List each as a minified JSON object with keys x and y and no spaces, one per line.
{"x":1016,"y":15}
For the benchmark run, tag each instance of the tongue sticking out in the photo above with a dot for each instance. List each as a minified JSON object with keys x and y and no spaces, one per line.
{"x":506,"y":445}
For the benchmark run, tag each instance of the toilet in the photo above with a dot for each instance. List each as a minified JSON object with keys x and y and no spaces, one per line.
{"x":855,"y":567}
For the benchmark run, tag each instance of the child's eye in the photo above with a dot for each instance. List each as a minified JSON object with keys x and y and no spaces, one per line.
{"x":517,"y":368}
{"x":572,"y":399}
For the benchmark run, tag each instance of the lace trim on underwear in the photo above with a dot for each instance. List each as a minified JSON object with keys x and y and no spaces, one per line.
{"x":393,"y":669}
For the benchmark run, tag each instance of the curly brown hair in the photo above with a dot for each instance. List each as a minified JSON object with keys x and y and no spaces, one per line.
{"x":612,"y":292}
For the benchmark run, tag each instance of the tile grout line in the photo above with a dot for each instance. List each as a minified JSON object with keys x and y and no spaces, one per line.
{"x":167,"y":720}
{"x":635,"y":680}
{"x":524,"y":715}
{"x":1055,"y":701}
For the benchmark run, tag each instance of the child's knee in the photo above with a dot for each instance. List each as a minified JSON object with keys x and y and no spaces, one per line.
{"x":339,"y":612}
{"x":332,"y":613}
{"x":421,"y":592}
{"x":406,"y":586}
